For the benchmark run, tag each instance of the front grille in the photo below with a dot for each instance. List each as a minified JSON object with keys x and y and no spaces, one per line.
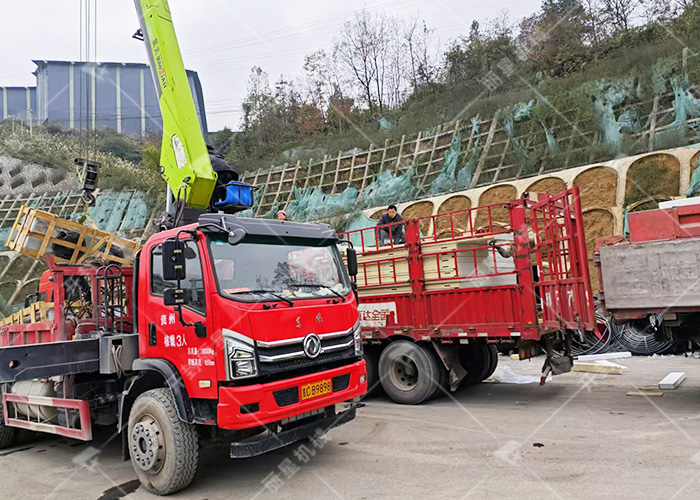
{"x":286,"y":397}
{"x":271,"y":366}
{"x":341,"y":382}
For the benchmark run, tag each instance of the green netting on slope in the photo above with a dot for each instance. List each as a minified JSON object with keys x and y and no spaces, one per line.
{"x":312,"y":204}
{"x":685,"y":105}
{"x":109,"y":209}
{"x":137,"y":212}
{"x":388,"y":188}
{"x":447,"y":179}
{"x":552,"y":144}
{"x":464,"y":177}
{"x":606,"y":96}
{"x":694,"y":188}
{"x":511,"y":116}
{"x":361,"y":221}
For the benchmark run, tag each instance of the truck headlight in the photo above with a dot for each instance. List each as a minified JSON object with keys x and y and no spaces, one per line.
{"x":357,"y":335}
{"x":241,"y":359}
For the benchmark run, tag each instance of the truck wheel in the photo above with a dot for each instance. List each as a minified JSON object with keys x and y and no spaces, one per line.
{"x":475,"y":360}
{"x":7,"y":434}
{"x":164,"y":449}
{"x":409,"y":372}
{"x":492,"y":351}
{"x":371,"y":356}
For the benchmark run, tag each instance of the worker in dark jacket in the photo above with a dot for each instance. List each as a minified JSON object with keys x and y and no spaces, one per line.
{"x":392,"y":233}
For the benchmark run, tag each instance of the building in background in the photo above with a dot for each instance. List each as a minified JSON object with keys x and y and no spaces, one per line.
{"x":19,"y":102}
{"x":83,"y":95}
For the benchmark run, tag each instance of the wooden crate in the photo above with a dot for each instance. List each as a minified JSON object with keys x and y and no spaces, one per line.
{"x":35,"y":233}
{"x":38,"y":312}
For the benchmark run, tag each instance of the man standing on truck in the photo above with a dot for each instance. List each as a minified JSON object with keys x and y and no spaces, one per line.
{"x":395,"y":231}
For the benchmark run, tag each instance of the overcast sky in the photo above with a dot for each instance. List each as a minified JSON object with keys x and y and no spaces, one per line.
{"x":220,"y":39}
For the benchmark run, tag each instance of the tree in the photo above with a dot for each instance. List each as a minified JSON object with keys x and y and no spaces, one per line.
{"x":259,"y":97}
{"x":556,"y":39}
{"x":354,"y":50}
{"x":319,"y":79}
{"x":619,"y":14}
{"x":368,"y":49}
{"x":418,"y":40}
{"x":469,"y":59}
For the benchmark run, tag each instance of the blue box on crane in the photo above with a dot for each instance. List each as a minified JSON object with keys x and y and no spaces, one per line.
{"x":238,"y":194}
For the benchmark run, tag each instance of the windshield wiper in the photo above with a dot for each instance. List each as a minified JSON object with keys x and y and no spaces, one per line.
{"x":269,"y":292}
{"x":319,"y":285}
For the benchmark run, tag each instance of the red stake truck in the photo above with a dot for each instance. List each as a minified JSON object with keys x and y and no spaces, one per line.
{"x":434,"y":306}
{"x":234,"y":328}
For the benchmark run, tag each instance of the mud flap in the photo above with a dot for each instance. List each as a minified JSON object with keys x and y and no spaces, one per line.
{"x":449,"y":355}
{"x":556,"y":364}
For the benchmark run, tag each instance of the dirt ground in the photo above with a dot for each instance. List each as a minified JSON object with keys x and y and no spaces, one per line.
{"x":579,"y":437}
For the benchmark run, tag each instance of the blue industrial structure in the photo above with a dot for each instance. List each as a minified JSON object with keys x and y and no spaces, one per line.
{"x":18,"y":102}
{"x":82,"y":95}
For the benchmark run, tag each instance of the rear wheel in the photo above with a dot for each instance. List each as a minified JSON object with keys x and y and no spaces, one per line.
{"x":492,"y":352}
{"x":409,"y":372}
{"x":475,"y":359}
{"x":7,"y":434}
{"x":164,"y":449}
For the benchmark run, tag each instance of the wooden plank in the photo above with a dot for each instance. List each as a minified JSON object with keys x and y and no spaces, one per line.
{"x":485,"y":151}
{"x":652,"y":125}
{"x":599,"y":367}
{"x":646,"y":394}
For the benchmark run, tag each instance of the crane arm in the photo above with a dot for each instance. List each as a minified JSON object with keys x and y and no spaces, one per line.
{"x":184,"y":157}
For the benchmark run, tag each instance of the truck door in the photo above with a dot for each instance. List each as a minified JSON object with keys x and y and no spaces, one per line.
{"x":559,"y":248}
{"x":194,"y":357}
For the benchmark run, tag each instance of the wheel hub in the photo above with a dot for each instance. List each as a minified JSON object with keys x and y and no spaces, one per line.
{"x":146,"y":445}
{"x":403,"y":373}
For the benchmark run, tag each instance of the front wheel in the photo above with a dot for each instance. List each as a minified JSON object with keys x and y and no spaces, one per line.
{"x":164,"y":450}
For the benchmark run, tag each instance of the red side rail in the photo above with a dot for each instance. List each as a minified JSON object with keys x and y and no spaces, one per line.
{"x":457,"y":285}
{"x":84,"y":433}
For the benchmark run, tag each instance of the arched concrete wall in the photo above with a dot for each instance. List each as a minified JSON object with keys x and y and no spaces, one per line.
{"x":603,"y":188}
{"x":687,"y":159}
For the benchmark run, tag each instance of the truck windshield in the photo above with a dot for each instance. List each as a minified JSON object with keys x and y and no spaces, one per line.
{"x":265,"y":269}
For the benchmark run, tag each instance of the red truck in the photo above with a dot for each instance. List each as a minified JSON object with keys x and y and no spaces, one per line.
{"x":439,"y":293}
{"x":229,"y":328}
{"x":650,"y":280}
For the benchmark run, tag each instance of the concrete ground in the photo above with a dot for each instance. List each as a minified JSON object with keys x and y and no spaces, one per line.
{"x":579,"y":437}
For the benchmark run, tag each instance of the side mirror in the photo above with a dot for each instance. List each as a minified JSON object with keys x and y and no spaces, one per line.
{"x":351,"y":256}
{"x":235,"y":236}
{"x":176,"y":297}
{"x":173,"y":260}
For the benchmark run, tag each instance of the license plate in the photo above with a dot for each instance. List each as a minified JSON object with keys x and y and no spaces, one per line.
{"x":316,"y":389}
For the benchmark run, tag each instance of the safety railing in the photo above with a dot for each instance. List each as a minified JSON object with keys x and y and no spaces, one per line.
{"x":377,"y":238}
{"x":476,"y":222}
{"x":461,"y":264}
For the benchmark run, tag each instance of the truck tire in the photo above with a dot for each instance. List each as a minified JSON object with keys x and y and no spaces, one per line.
{"x":164,"y":450}
{"x":409,"y":372}
{"x":7,"y":434}
{"x":492,"y":351}
{"x":475,"y":359}
{"x":371,"y":356}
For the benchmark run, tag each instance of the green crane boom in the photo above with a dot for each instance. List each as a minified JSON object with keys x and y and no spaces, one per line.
{"x":184,"y":158}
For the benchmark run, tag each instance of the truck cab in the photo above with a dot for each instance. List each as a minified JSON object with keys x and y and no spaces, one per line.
{"x":269,"y":326}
